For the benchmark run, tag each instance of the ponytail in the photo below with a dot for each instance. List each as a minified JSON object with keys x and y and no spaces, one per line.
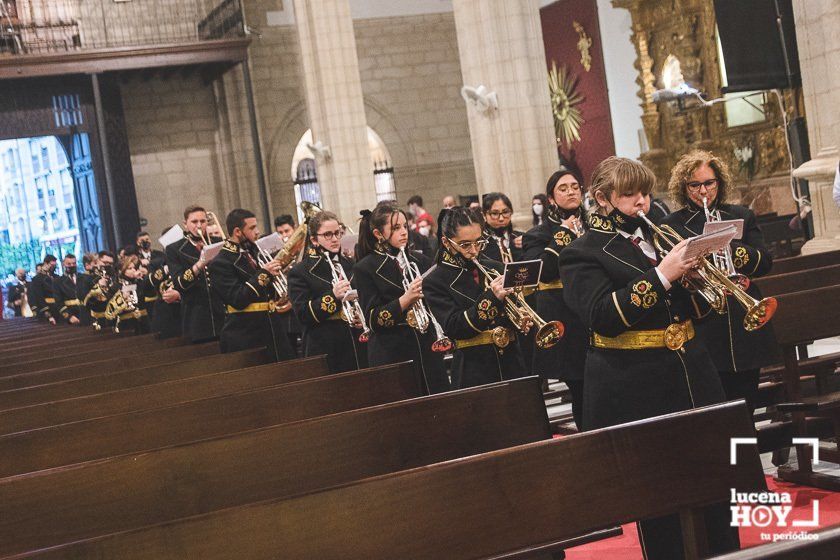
{"x":450,"y":220}
{"x":384,"y":213}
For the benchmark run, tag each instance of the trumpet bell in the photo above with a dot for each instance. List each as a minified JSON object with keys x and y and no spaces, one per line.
{"x":760,"y":313}
{"x":364,"y":337}
{"x":442,"y":345}
{"x":549,"y":334}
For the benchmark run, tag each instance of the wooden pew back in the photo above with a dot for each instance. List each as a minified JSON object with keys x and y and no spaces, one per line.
{"x":805,"y":262}
{"x":799,"y":281}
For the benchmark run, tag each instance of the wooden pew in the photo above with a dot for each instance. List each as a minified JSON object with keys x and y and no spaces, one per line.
{"x":49,"y":509}
{"x":134,"y":432}
{"x":805,"y":262}
{"x":28,"y":340}
{"x":109,"y":363}
{"x":802,"y":317}
{"x":75,"y":348}
{"x":118,"y":380}
{"x":512,"y":503}
{"x":158,"y":395}
{"x":825,"y":547}
{"x":799,"y":281}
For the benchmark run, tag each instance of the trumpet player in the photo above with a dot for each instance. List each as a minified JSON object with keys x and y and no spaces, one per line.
{"x":252,"y":320}
{"x":700,"y":181}
{"x":563,"y":223}
{"x":392,"y":299}
{"x":321,"y":295}
{"x":166,"y":307}
{"x":202,"y":313}
{"x":470,"y":306}
{"x":644,"y":359}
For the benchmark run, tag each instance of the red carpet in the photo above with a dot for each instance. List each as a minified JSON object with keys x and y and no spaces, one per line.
{"x":626,"y":547}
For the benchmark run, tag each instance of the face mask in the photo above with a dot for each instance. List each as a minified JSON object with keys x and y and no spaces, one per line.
{"x":70,"y":270}
{"x":626,"y":223}
{"x":538,"y":209}
{"x":145,"y":245}
{"x":425,"y":231}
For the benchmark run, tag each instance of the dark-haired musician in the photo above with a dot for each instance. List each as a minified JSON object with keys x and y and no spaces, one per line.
{"x":68,"y":288}
{"x":202,"y":312}
{"x":738,"y":354}
{"x":43,"y":295}
{"x":644,"y":359}
{"x":247,"y":291}
{"x":317,"y":295}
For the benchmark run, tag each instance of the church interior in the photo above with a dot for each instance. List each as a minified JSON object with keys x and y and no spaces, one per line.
{"x":420,"y":279}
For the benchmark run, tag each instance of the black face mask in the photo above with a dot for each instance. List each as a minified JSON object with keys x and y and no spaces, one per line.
{"x":145,"y":245}
{"x":70,"y":270}
{"x":626,"y":223}
{"x":559,"y":214}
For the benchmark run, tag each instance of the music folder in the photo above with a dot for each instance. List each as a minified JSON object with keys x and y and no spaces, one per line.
{"x":712,"y":227}
{"x":270,"y":243}
{"x":210,"y":252}
{"x":172,"y":235}
{"x":522,"y":274}
{"x":708,"y":243}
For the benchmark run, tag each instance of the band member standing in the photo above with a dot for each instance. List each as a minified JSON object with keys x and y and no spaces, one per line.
{"x":738,"y":354}
{"x":387,"y":305}
{"x":644,"y":359}
{"x":19,"y":294}
{"x":166,"y":316}
{"x":469,"y":307}
{"x":285,"y":226}
{"x":317,"y":298}
{"x":150,"y":259}
{"x":67,"y":289}
{"x":202,"y":313}
{"x":505,"y":244}
{"x":247,"y":291}
{"x":562,"y":224}
{"x":102,"y":285}
{"x":42,"y":290}
{"x":132,"y":315}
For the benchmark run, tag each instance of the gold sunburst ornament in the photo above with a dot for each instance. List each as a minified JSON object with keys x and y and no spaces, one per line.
{"x":565,"y":101}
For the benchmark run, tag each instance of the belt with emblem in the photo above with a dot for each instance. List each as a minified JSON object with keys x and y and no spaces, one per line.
{"x":499,"y":337}
{"x":528,"y":291}
{"x":97,"y":314}
{"x":555,"y":285}
{"x":253,"y":308}
{"x":136,"y":314}
{"x":49,"y":300}
{"x":69,"y":302}
{"x":673,"y":338}
{"x":149,"y":299}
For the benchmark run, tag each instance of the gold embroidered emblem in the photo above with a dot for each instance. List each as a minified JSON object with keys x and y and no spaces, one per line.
{"x":645,"y":296}
{"x":312,"y":252}
{"x":385,"y":319}
{"x":230,"y":246}
{"x":262,"y":279}
{"x":741,"y":257}
{"x":486,"y":310}
{"x":596,"y":221}
{"x":159,"y":274}
{"x":449,"y":258}
{"x":562,"y":238}
{"x":328,"y":304}
{"x":188,"y":275}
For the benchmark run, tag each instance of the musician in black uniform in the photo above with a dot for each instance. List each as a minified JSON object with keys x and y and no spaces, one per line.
{"x":202,"y":313}
{"x":133,"y":316}
{"x":19,"y":293}
{"x":101,"y":286}
{"x":388,"y":306}
{"x":644,"y":359}
{"x":504,"y":244}
{"x":166,"y":315}
{"x":67,"y":289}
{"x":737,"y":353}
{"x":317,"y":300}
{"x":246,"y":289}
{"x":470,"y":308}
{"x":43,"y":294}
{"x":150,"y":259}
{"x":284,"y":225}
{"x":563,"y":223}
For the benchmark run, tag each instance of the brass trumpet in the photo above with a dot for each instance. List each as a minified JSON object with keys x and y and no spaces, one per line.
{"x":420,"y":316}
{"x":523,"y":315}
{"x":353,"y":313}
{"x":714,"y":283}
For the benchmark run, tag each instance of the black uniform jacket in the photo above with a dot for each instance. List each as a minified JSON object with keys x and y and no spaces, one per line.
{"x":202,"y":312}
{"x":68,"y":295}
{"x":43,"y":296}
{"x":241,"y":285}
{"x":565,"y":360}
{"x":136,"y":318}
{"x":320,"y":313}
{"x":466,"y":307}
{"x":16,"y":293}
{"x":493,"y":252}
{"x":732,"y":348}
{"x":165,"y":317}
{"x":378,"y":279}
{"x":613,"y":288}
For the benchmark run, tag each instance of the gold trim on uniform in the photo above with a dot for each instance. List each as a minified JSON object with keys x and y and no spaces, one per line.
{"x":188,"y":275}
{"x":562,"y":238}
{"x":254,"y":307}
{"x":486,"y":310}
{"x":136,"y":314}
{"x":229,"y":245}
{"x":554,"y":285}
{"x":673,"y":338}
{"x":159,"y":274}
{"x":385,"y":319}
{"x":741,"y":258}
{"x":601,"y":223}
{"x":499,"y":337}
{"x":49,"y":300}
{"x":328,"y":304}
{"x":69,"y":302}
{"x":643,"y":295}
{"x":262,"y":279}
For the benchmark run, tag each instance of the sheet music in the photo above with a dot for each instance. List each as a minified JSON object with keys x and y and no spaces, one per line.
{"x":172,"y":235}
{"x":210,"y":252}
{"x":270,"y":243}
{"x":712,"y":227}
{"x":708,"y":243}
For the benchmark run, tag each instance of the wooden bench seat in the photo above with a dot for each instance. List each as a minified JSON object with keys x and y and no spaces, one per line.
{"x":805,"y":262}
{"x":80,"y":351}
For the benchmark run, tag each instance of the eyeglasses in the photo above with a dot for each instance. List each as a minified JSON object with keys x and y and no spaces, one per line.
{"x":467,"y":245}
{"x":496,"y":214}
{"x":694,"y":186}
{"x":566,"y":189}
{"x":330,"y":235}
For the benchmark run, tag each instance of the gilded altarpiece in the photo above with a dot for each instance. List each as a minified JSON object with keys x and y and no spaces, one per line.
{"x":686,"y":30}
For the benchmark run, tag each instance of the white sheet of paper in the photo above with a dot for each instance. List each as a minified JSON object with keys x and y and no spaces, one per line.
{"x":708,"y":243}
{"x":209,"y":252}
{"x":270,"y":243}
{"x":712,"y":227}
{"x":172,"y":235}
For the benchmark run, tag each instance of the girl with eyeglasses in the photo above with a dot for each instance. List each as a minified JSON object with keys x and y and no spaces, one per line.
{"x":504,"y":243}
{"x":317,"y":302}
{"x":564,"y":222}
{"x":387,"y":304}
{"x":468,"y":306}
{"x":738,"y":354}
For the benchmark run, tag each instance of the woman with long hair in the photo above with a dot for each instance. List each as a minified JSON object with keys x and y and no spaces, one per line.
{"x":389,"y":305}
{"x":539,"y":205}
{"x":134,"y":317}
{"x":504,"y":243}
{"x":469,"y":306}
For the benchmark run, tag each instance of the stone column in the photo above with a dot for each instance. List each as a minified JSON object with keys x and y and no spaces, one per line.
{"x":501,"y":47}
{"x":335,"y":105}
{"x":817,"y":22}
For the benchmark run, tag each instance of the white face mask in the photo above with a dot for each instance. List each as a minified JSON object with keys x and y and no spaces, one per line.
{"x":538,"y":209}
{"x":424,"y":231}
